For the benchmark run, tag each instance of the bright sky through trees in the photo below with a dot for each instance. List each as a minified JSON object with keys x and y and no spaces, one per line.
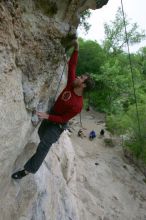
{"x":134,"y":9}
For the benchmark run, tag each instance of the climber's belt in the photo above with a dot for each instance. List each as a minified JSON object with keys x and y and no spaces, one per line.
{"x":62,"y":126}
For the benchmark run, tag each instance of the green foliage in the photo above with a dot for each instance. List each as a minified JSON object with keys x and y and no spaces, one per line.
{"x":133,"y":124}
{"x":118,"y":85}
{"x":91,"y":56}
{"x":48,"y":7}
{"x":142,"y":60}
{"x":118,"y":124}
{"x":115,"y":38}
{"x":83,"y":20}
{"x":86,"y":102}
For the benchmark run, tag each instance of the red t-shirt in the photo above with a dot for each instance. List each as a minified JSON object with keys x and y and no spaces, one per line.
{"x":68,"y":103}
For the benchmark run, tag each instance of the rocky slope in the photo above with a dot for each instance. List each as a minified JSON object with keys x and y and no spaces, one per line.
{"x":108,"y":186}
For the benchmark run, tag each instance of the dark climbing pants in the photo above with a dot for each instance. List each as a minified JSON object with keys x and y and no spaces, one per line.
{"x":49,"y":133}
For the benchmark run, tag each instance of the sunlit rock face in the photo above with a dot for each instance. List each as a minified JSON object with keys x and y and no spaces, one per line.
{"x":31,"y":63}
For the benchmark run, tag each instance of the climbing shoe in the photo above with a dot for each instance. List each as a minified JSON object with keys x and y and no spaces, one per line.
{"x":19,"y":175}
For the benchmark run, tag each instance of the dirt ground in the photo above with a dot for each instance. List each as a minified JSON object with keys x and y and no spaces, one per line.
{"x":109,"y":187}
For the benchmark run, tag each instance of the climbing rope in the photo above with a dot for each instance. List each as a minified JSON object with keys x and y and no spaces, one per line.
{"x":81,"y":125}
{"x":131,"y":70}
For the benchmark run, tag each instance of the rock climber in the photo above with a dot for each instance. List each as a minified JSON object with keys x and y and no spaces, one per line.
{"x":68,"y":104}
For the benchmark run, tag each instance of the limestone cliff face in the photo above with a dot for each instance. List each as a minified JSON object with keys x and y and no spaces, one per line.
{"x":31,"y":63}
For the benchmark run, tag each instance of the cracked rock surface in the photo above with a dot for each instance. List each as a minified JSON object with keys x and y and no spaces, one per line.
{"x":31,"y":63}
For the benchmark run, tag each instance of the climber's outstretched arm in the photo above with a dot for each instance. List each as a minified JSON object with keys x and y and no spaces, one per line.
{"x":73,"y":62}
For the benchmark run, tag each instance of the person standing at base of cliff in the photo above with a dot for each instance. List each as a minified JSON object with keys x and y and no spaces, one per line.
{"x":68,"y":104}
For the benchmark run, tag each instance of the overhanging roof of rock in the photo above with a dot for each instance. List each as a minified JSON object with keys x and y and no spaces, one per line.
{"x":100,"y":3}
